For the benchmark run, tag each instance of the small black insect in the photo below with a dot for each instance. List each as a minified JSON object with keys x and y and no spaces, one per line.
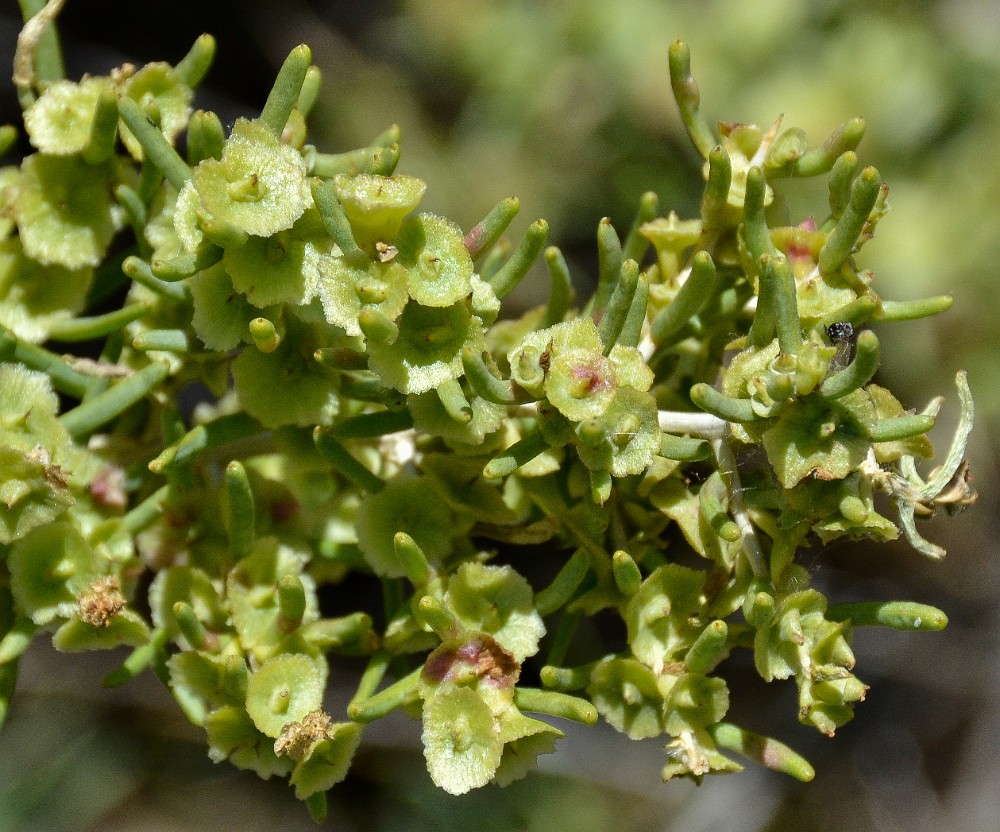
{"x":841,"y":332}
{"x":843,"y":336}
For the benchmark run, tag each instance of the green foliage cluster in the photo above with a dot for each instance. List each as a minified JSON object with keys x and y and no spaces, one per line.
{"x":663,"y":451}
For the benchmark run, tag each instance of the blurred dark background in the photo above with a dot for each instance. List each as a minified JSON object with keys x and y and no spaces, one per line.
{"x":566,"y":104}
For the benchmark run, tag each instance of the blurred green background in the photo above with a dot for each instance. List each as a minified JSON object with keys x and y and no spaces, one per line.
{"x":566,"y":104}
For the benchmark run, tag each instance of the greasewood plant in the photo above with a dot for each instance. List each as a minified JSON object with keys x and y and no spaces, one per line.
{"x":659,"y":453}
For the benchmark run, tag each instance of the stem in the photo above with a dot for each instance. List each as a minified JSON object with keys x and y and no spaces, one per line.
{"x":565,"y":631}
{"x":371,"y":678}
{"x":731,"y":477}
{"x":146,"y":655}
{"x":135,"y":213}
